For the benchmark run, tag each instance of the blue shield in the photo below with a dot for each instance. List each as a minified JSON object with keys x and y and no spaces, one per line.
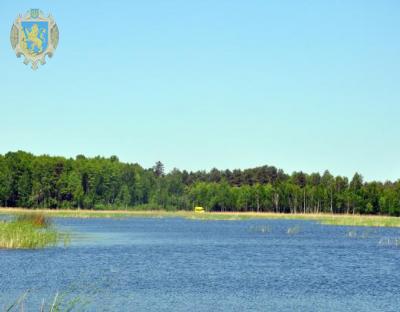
{"x":35,"y":37}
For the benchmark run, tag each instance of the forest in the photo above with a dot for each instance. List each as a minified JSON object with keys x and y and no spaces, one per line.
{"x":31,"y":181}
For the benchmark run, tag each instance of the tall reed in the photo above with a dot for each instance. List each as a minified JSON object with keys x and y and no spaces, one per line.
{"x":29,"y":231}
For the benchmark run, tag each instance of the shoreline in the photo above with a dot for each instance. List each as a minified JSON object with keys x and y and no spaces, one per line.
{"x":327,"y":219}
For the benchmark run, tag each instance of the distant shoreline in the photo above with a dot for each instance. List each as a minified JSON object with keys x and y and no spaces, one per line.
{"x":328,"y":219}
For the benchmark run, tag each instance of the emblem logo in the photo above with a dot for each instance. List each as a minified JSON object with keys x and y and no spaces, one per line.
{"x":34,"y":36}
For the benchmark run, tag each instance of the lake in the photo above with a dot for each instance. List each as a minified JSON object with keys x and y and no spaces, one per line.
{"x":174,"y":264}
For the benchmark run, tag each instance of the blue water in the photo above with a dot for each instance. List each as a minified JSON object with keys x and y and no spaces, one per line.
{"x":186,"y":265}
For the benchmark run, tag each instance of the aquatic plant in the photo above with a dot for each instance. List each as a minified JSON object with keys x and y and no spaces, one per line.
{"x":352,"y":234}
{"x":260,"y":229}
{"x":29,"y":231}
{"x":389,"y":241}
{"x":293,"y":230}
{"x":59,"y":303}
{"x":359,"y":234}
{"x":37,"y":219}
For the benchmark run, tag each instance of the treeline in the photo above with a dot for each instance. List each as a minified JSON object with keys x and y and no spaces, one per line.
{"x":106,"y":183}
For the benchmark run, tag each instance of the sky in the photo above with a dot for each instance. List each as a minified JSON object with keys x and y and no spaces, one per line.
{"x":301,"y":85}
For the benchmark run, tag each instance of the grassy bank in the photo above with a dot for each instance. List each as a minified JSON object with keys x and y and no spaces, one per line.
{"x":28,"y":231}
{"x":348,"y":220}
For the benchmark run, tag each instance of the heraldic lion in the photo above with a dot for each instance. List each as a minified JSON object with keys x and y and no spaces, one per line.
{"x":35,"y":37}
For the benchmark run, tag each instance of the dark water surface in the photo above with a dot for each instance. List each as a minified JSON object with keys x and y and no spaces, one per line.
{"x":185,"y":265}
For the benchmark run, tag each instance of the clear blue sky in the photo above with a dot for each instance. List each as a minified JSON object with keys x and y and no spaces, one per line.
{"x":302,"y":85}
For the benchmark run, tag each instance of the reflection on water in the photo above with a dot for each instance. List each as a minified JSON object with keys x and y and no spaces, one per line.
{"x":187,"y":265}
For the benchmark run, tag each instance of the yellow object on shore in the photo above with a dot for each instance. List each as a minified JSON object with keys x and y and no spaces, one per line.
{"x":199,"y":210}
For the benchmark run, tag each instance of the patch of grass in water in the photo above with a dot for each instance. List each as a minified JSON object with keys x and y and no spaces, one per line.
{"x":388,"y":241}
{"x":351,"y":234}
{"x":360,"y":234}
{"x":293,"y":230}
{"x":29,"y":231}
{"x":264,"y":229}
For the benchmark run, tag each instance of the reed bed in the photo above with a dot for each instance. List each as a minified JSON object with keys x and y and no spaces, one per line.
{"x":29,"y":231}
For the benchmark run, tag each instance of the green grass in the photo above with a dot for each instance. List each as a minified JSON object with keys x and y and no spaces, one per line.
{"x":29,"y":231}
{"x":371,"y":221}
{"x":327,"y":219}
